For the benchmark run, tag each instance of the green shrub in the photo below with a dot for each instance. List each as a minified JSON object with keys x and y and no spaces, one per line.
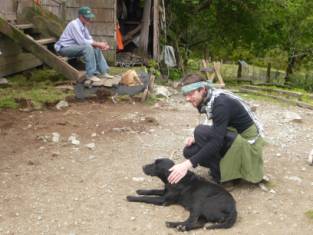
{"x":302,"y":80}
{"x":8,"y":102}
{"x":175,"y":74}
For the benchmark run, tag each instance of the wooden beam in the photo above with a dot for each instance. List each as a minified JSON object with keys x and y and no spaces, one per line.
{"x":210,"y":76}
{"x":131,"y":33}
{"x":217,"y":69}
{"x":45,"y":41}
{"x":38,"y":50}
{"x":144,"y":34}
{"x":156,"y":32}
{"x":24,"y":26}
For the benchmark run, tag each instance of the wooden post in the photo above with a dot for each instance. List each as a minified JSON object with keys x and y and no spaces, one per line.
{"x":239,"y":72}
{"x":156,"y":33}
{"x":268,"y":73}
{"x":210,"y":76}
{"x":217,"y":70}
{"x":144,"y":34}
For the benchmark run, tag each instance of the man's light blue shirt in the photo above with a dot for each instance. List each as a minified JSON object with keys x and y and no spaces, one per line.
{"x":75,"y":33}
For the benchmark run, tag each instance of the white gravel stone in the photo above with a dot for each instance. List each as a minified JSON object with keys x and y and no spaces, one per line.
{"x":91,"y":146}
{"x":56,"y":137}
{"x":138,"y":179}
{"x":73,"y":140}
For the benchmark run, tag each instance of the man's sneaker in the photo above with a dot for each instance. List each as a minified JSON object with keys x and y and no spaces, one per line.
{"x":105,"y":75}
{"x":91,"y":81}
{"x":94,"y":79}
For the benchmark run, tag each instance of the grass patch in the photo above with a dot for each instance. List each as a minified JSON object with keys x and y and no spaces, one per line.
{"x":37,"y":86}
{"x":152,"y":99}
{"x":309,"y":214}
{"x":8,"y":103}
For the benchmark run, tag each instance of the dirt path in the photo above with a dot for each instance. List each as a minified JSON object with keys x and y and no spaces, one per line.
{"x":59,"y":188}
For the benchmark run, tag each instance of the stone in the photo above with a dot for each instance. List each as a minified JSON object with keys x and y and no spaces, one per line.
{"x":61,"y":104}
{"x":73,"y":140}
{"x":138,"y":179}
{"x":3,"y":81}
{"x":91,"y":146}
{"x":292,"y":117}
{"x":56,"y":137}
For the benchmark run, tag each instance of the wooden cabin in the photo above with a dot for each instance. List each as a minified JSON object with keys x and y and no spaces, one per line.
{"x":138,"y":20}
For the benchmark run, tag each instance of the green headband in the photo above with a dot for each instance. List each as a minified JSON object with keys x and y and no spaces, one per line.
{"x":194,"y":86}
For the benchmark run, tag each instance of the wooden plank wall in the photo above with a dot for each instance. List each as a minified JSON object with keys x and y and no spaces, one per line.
{"x":53,"y":6}
{"x":8,"y":9}
{"x":12,"y":58}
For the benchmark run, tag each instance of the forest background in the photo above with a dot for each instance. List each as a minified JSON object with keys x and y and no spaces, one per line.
{"x":260,"y":32}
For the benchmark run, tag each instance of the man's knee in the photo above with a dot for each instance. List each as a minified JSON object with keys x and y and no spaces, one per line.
{"x":203,"y":131}
{"x":88,"y":48}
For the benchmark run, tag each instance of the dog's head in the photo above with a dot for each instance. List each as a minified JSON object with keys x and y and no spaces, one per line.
{"x":160,"y":168}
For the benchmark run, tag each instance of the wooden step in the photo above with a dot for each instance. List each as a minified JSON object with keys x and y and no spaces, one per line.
{"x":24,"y":26}
{"x":45,"y":41}
{"x":63,"y":58}
{"x":38,"y":50}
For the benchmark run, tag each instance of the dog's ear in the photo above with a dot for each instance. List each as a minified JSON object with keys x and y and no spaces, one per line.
{"x":163,"y":165}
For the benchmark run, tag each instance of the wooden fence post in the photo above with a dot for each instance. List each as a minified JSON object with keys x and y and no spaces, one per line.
{"x":239,"y":71}
{"x":268,"y":73}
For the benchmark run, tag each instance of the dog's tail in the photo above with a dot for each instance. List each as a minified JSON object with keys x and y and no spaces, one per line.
{"x":228,"y":222}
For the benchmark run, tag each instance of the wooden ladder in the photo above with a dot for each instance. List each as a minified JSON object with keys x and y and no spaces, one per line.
{"x":39,"y":48}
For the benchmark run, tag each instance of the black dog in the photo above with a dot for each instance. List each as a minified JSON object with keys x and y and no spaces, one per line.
{"x":207,"y":202}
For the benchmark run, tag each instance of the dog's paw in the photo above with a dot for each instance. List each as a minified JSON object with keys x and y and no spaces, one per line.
{"x":141,"y":192}
{"x":177,"y":225}
{"x":130,"y":198}
{"x":181,"y":228}
{"x":170,"y":224}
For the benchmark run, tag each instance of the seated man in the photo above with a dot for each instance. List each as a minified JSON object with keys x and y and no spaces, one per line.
{"x":76,"y":41}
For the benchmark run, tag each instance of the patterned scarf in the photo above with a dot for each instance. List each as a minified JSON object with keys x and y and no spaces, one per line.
{"x":207,"y":104}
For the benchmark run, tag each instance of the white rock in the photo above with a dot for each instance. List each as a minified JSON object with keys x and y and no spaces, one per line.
{"x":3,"y":81}
{"x":292,"y":117}
{"x":272,"y":191}
{"x":93,"y":134}
{"x":73,"y":140}
{"x":162,"y":91}
{"x":91,"y":157}
{"x":62,"y":104}
{"x":91,"y":146}
{"x":138,"y":179}
{"x":55,"y":137}
{"x":294,"y":178}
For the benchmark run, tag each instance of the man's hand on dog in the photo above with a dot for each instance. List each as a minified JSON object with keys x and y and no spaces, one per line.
{"x":178,"y":171}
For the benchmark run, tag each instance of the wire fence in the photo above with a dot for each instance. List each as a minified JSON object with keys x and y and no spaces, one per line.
{"x":260,"y":75}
